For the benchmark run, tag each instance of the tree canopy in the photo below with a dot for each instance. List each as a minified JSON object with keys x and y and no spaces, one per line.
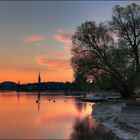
{"x":110,"y":50}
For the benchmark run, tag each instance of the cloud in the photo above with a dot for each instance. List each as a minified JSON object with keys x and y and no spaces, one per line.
{"x":33,"y":38}
{"x":65,"y":55}
{"x":54,"y":64}
{"x":63,"y":36}
{"x":59,"y":55}
{"x":68,"y":48}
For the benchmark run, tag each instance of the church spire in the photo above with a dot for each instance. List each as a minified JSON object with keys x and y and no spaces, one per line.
{"x":39,"y":78}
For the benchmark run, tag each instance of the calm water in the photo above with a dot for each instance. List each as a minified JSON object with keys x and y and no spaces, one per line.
{"x":43,"y":117}
{"x":31,"y":116}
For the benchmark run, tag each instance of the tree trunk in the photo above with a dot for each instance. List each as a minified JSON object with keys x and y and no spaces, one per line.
{"x":137,"y":59}
{"x":127,"y":91}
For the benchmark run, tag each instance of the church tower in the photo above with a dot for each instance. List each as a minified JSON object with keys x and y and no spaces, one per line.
{"x":39,"y":78}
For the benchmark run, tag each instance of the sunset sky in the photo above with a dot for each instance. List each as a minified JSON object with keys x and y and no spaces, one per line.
{"x":37,"y":36}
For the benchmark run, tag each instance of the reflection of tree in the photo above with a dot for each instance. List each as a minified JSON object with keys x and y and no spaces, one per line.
{"x":83,"y":130}
{"x":80,"y":106}
{"x":38,"y":100}
{"x":18,"y":99}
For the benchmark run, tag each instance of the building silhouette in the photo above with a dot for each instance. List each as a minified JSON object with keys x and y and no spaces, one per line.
{"x":39,"y":78}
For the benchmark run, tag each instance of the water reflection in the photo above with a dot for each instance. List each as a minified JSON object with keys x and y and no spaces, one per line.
{"x":38,"y":100}
{"x":19,"y":118}
{"x":84,"y":129}
{"x":18,"y":99}
{"x":80,"y":106}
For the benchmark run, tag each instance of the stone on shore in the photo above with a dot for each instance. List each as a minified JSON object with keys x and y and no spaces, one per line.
{"x":124,"y":125}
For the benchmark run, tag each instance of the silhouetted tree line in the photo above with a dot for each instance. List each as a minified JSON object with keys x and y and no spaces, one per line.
{"x":44,"y":86}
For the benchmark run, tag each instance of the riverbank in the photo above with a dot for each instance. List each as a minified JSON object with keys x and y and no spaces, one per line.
{"x":125,"y":125}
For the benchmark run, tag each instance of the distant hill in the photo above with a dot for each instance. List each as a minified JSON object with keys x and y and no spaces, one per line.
{"x":8,"y":85}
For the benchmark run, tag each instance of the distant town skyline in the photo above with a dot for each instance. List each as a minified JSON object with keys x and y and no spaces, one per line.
{"x":36,"y":36}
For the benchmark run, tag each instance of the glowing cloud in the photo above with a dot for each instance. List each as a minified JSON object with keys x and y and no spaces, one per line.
{"x":54,"y":64}
{"x":66,"y":55}
{"x":33,"y":38}
{"x":68,"y":48}
{"x":63,"y":36}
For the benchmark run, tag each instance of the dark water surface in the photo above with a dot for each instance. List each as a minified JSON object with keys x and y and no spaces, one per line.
{"x":27,"y":116}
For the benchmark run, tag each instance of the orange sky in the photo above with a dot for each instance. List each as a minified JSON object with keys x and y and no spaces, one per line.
{"x":24,"y":63}
{"x":37,"y":36}
{"x":30,"y":77}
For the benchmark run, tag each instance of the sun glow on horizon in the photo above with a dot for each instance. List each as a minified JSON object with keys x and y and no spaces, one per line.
{"x":40,"y":37}
{"x":31,"y":77}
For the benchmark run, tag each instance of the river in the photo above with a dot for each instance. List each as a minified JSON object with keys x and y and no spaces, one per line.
{"x":33,"y":116}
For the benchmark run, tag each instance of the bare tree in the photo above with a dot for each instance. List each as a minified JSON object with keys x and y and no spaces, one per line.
{"x":95,"y":54}
{"x":126,"y":25}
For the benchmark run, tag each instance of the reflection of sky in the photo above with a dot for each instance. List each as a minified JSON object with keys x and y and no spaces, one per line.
{"x":36,"y":35}
{"x":20,"y":117}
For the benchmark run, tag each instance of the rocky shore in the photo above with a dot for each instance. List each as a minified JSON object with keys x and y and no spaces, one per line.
{"x":124,"y":125}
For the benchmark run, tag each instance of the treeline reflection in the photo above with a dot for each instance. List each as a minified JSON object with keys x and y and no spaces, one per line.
{"x":83,"y":129}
